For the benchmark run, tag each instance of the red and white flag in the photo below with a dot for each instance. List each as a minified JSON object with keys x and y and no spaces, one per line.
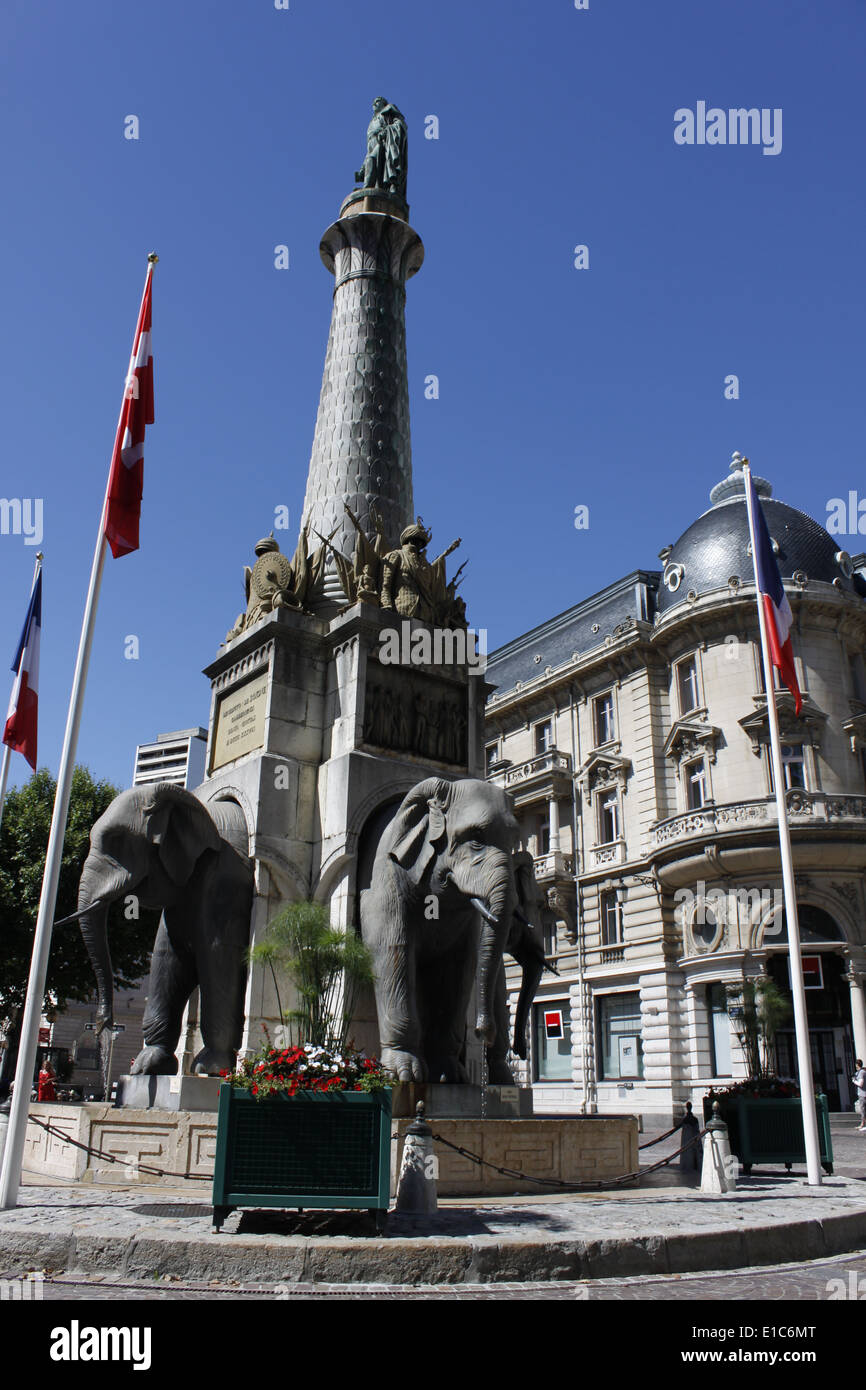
{"x":125,"y":483}
{"x":778,"y":617}
{"x":21,"y":721}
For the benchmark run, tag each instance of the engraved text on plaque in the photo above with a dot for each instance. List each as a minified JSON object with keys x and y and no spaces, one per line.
{"x":240,"y":721}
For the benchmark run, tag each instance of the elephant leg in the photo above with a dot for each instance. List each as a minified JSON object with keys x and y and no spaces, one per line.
{"x":498,"y":1071}
{"x":223,"y":908}
{"x":397,"y":1009}
{"x":445,"y":988}
{"x":172,"y":981}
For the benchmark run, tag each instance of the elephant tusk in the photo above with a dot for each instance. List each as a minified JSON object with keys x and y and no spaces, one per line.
{"x":485,"y":912}
{"x":82,"y":912}
{"x":522,"y":917}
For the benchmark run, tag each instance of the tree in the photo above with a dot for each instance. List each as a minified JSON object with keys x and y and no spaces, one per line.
{"x":23,"y":845}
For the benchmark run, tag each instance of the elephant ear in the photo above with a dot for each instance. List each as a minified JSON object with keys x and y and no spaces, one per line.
{"x":182,"y":829}
{"x":419,"y":827}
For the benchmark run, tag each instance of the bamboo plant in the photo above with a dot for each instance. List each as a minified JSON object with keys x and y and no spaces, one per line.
{"x":327,"y":968}
{"x":758,"y":1009}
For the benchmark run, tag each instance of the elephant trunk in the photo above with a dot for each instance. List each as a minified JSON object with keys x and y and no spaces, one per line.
{"x":533,"y":965}
{"x":93,"y":902}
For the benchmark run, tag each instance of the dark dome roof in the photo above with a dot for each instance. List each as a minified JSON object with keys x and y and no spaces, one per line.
{"x":715,"y":548}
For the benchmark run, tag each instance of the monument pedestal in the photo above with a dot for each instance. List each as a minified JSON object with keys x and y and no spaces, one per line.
{"x":584,"y":1148}
{"x":440,"y":1100}
{"x":318,"y":739}
{"x":199,"y":1093}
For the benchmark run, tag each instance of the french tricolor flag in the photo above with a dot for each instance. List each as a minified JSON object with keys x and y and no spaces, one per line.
{"x":777,"y":610}
{"x":21,"y":721}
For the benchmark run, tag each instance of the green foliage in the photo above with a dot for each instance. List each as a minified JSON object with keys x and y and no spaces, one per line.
{"x":757,"y":1088}
{"x":326,"y":966}
{"x":23,"y":845}
{"x":758,"y":1008}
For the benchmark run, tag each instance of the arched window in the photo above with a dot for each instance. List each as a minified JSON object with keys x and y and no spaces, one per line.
{"x":815,"y":924}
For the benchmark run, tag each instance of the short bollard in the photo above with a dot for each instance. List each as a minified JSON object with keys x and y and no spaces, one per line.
{"x":719,"y":1170}
{"x":416,"y":1189}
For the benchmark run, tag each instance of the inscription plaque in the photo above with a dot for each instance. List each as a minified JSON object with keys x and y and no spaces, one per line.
{"x":240,"y":721}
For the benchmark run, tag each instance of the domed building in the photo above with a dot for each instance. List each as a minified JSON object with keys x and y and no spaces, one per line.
{"x":633,"y":733}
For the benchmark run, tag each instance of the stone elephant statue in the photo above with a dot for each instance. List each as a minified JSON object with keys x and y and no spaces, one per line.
{"x":442,"y":899}
{"x":165,"y":847}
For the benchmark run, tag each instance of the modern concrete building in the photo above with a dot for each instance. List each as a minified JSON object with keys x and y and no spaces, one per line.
{"x":632,"y":730}
{"x":177,"y":757}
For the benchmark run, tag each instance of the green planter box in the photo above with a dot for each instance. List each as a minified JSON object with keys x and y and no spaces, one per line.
{"x":769,"y":1129}
{"x":308,"y":1150}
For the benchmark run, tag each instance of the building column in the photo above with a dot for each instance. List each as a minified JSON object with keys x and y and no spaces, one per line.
{"x":858,"y":1012}
{"x":554,"y":825}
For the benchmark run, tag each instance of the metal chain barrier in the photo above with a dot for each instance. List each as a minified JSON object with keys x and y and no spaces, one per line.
{"x":457,"y":1148}
{"x":113,"y":1158}
{"x":658,"y":1139}
{"x":572,"y":1186}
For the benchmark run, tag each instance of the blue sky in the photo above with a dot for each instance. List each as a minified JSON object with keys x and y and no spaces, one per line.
{"x":558,"y":386}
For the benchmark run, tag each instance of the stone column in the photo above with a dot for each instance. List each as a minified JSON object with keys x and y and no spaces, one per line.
{"x":858,"y":1012}
{"x":362,"y":452}
{"x":554,"y":825}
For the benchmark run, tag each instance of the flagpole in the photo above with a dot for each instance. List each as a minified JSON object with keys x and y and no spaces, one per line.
{"x":4,"y":774}
{"x":14,"y":1153}
{"x":7,"y":751}
{"x":798,"y":989}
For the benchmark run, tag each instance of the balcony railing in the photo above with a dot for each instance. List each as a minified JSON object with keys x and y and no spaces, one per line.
{"x":543,"y":765}
{"x":553,"y":866}
{"x":602,"y":856}
{"x":804,"y":807}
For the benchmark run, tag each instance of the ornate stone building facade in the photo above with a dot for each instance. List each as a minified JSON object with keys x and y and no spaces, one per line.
{"x":632,"y":731}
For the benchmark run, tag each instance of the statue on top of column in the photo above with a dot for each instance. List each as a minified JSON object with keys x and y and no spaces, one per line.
{"x":386,"y":161}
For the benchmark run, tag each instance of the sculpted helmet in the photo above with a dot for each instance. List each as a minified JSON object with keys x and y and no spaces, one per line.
{"x":416,"y":535}
{"x":263,"y":547}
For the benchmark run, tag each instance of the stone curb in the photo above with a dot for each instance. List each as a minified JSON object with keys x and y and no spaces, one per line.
{"x":345,"y":1260}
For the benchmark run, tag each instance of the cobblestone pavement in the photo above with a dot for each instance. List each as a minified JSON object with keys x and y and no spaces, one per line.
{"x":98,"y":1210}
{"x":148,"y":1233}
{"x":817,"y":1280}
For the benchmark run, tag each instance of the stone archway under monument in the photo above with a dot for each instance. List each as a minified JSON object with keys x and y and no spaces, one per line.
{"x":366,"y":1033}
